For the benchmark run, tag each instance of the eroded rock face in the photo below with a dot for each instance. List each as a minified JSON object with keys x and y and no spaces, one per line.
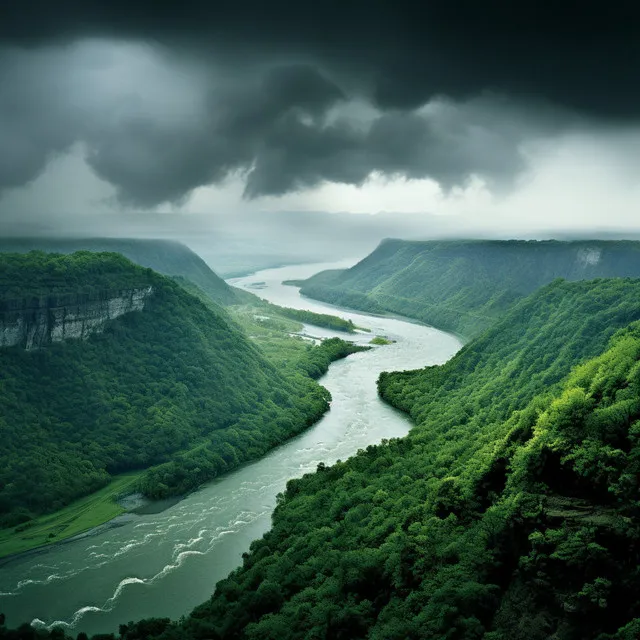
{"x":589,"y":257}
{"x":36,"y":322}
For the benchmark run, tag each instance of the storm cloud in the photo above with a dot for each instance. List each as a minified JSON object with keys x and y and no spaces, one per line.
{"x":583,"y":55}
{"x":166,"y":99}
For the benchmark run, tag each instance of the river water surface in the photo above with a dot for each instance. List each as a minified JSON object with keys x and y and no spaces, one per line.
{"x":165,"y":564}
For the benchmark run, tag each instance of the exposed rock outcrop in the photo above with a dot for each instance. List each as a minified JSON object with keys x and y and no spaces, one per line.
{"x":36,"y":322}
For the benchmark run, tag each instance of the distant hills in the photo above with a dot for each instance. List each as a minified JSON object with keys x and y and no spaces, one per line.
{"x":240,"y":242}
{"x":164,"y":256}
{"x":465,"y":285}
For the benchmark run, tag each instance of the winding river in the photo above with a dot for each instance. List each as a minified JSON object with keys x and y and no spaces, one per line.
{"x":166,"y":563}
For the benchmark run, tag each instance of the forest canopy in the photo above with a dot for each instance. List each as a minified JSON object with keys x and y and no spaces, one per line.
{"x":164,"y":256}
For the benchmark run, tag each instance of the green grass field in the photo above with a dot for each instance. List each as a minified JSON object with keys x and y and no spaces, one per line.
{"x":79,"y":516}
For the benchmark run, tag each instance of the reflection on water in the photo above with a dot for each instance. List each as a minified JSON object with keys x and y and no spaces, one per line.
{"x":164,"y":564}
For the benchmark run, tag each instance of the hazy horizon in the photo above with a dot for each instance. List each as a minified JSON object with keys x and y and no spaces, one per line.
{"x":237,"y":243}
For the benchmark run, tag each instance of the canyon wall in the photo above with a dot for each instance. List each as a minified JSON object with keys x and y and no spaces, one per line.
{"x":38,"y":321}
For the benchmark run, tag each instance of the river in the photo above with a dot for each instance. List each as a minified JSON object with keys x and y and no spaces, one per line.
{"x":165,"y":564}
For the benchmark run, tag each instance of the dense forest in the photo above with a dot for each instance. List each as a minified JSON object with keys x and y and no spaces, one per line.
{"x":39,"y":274}
{"x":509,"y":512}
{"x":164,"y":256}
{"x":465,"y":286}
{"x":177,"y":385}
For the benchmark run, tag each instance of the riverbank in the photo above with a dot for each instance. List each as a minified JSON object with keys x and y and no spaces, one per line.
{"x":97,"y":510}
{"x":381,"y":314}
{"x":78,"y":517}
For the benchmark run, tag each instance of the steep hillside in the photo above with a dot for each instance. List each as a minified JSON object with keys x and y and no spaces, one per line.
{"x":510,"y":512}
{"x":164,"y":256}
{"x":464,"y":286}
{"x":174,"y":382}
{"x":44,"y":301}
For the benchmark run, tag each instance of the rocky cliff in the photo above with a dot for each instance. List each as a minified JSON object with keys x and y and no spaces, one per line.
{"x":35,"y":322}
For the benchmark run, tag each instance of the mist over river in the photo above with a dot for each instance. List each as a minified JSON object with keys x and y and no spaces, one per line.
{"x":164,"y":564}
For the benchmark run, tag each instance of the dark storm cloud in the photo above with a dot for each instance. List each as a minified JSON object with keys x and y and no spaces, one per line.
{"x":151,"y":162}
{"x":32,"y":125}
{"x":264,"y":89}
{"x":149,"y":151}
{"x":582,"y":55}
{"x":155,"y":133}
{"x":447,"y":147}
{"x":284,"y":142}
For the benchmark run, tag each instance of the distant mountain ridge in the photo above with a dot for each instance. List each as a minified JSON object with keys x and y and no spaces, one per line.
{"x":465,"y":285}
{"x":167,"y":257}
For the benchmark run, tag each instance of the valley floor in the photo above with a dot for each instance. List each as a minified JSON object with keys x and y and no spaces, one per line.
{"x":80,"y":516}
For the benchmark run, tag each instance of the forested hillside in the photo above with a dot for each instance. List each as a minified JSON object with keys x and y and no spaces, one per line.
{"x":164,"y":256}
{"x":509,"y":512}
{"x":177,"y":383}
{"x":465,"y":286}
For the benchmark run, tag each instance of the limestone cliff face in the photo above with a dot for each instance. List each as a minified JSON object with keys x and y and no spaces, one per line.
{"x":36,"y":322}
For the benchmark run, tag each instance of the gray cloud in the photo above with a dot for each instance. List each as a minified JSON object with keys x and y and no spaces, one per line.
{"x":157,"y":128}
{"x":448,"y":146}
{"x":264,"y":88}
{"x":582,"y":56}
{"x":138,"y":136}
{"x":34,"y":123}
{"x":151,"y":162}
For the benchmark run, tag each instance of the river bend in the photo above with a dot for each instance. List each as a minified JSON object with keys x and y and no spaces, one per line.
{"x":165,"y":564}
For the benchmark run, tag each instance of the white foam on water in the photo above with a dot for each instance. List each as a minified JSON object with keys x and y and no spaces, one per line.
{"x":80,"y":613}
{"x":48,"y":580}
{"x":181,"y":552}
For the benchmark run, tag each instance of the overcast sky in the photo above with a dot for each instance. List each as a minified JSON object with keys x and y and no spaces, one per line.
{"x":503,"y":113}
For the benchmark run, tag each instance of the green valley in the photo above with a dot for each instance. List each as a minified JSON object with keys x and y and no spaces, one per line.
{"x":509,"y":512}
{"x":165,"y":378}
